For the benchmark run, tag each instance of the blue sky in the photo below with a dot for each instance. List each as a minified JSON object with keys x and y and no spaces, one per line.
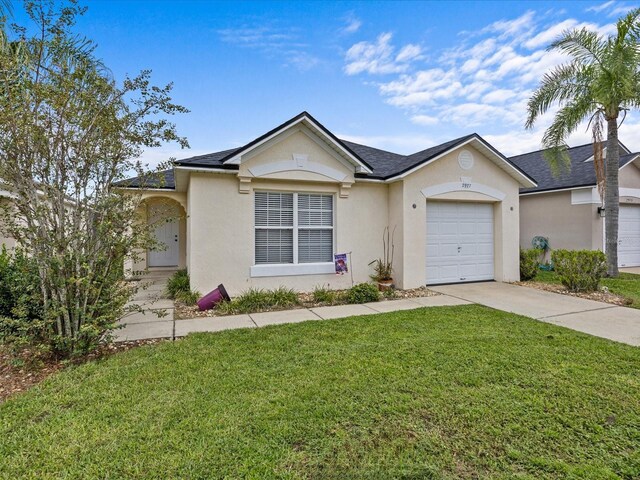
{"x":396,"y":75}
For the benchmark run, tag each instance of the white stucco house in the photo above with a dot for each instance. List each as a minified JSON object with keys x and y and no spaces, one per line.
{"x":274,"y":212}
{"x":567,"y":208}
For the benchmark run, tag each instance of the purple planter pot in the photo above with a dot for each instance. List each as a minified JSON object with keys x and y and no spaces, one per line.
{"x":213,"y":298}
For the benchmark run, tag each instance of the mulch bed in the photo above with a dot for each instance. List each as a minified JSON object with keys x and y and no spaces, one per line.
{"x":183,"y":311}
{"x":599,"y":296}
{"x":19,"y":373}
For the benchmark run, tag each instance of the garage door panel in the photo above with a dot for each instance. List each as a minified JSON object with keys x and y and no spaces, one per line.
{"x":459,"y":242}
{"x":629,"y":236}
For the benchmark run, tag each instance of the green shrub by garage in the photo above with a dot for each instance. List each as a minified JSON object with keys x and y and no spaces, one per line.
{"x":580,"y":270}
{"x":529,"y":263}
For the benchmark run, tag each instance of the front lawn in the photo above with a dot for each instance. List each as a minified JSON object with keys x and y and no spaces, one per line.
{"x":626,"y":285}
{"x":452,"y":392}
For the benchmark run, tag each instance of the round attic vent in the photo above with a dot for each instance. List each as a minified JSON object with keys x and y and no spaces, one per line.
{"x":465,"y":160}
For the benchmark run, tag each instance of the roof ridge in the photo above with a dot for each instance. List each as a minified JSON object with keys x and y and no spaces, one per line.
{"x":372,"y":148}
{"x":455,"y":140}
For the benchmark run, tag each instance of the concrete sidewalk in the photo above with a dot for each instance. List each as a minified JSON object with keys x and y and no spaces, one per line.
{"x":595,"y":318}
{"x":144,"y":327}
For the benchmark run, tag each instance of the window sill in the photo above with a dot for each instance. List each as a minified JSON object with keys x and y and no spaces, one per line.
{"x":289,"y":269}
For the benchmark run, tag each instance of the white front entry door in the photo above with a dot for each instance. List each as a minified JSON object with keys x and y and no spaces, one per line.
{"x":166,"y":231}
{"x":629,"y":236}
{"x":459,"y":242}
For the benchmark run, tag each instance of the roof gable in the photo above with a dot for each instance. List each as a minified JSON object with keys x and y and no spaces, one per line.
{"x":314,"y":126}
{"x":581,"y":174}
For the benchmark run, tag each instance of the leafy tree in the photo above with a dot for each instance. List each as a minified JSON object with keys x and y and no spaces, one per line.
{"x":68,"y":133}
{"x":600,"y":83}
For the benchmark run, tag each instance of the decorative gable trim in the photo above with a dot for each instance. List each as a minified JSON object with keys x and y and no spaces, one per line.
{"x":316,"y":128}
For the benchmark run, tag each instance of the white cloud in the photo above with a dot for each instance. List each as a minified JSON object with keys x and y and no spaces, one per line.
{"x":424,"y":120}
{"x":402,"y":144}
{"x":408,"y":53}
{"x":599,"y":8}
{"x":353,"y":25}
{"x":499,"y":96}
{"x":545,"y":37}
{"x":512,"y":28}
{"x":482,"y":82}
{"x":272,"y":42}
{"x":379,"y":57}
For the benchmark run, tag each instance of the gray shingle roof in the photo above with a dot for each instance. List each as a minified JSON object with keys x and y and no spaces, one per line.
{"x":162,"y":179}
{"x":581,"y":174}
{"x":383,"y":164}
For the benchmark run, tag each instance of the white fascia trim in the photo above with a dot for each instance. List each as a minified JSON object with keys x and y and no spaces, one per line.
{"x":556,"y":190}
{"x":446,"y":152}
{"x":457,"y":187}
{"x":235,"y":160}
{"x":370,"y":180}
{"x":206,"y":170}
{"x":285,"y":270}
{"x":630,"y":161}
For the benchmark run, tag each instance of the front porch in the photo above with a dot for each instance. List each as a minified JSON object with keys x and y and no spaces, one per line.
{"x":166,"y":215}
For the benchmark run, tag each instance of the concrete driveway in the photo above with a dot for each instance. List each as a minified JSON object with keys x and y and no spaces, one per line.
{"x":595,"y":318}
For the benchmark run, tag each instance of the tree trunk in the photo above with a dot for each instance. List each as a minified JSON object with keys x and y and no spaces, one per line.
{"x":612,"y":197}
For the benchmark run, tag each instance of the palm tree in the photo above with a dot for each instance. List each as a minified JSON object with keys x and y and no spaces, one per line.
{"x":600,"y":83}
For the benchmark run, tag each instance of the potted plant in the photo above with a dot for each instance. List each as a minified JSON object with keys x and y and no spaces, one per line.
{"x":383,"y":267}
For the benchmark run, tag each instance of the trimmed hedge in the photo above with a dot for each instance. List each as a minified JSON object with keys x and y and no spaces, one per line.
{"x":580,"y":270}
{"x":529,"y":263}
{"x":362,"y":293}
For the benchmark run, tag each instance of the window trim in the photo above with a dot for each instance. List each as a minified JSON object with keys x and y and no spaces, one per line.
{"x":295,"y":268}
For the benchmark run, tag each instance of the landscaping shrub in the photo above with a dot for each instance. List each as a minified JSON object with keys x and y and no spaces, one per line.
{"x":579,"y":270}
{"x":529,"y":263}
{"x":189,"y":298}
{"x":21,"y":308}
{"x":257,"y":300}
{"x":179,"y":288}
{"x":323,"y":294}
{"x":362,"y":293}
{"x":178,"y":283}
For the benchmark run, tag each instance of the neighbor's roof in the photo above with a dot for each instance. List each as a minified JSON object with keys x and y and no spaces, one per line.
{"x":581,"y":174}
{"x":383,"y":164}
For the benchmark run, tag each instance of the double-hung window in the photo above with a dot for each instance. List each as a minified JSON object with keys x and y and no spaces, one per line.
{"x":293,"y":229}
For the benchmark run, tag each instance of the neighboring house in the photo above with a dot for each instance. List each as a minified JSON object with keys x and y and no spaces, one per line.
{"x":275,"y":211}
{"x":567,"y":209}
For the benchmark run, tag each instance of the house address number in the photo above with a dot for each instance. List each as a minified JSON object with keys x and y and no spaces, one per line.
{"x":465,"y":182}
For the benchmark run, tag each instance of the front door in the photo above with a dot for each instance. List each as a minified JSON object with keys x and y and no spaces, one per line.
{"x":166,"y":231}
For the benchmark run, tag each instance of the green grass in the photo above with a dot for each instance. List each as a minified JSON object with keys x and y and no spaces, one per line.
{"x":452,"y":392}
{"x":627,"y":285}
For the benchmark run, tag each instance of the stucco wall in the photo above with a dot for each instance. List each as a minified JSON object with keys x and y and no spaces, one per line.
{"x":222,"y":232}
{"x":630,"y":176}
{"x":448,"y":170}
{"x":553,"y":216}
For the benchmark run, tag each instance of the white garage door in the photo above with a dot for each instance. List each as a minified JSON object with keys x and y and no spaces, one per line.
{"x":629,"y":236}
{"x":459,"y":242}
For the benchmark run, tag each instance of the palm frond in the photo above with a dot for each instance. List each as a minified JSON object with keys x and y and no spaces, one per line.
{"x":582,"y":44}
{"x":563,"y":83}
{"x":565,"y":122}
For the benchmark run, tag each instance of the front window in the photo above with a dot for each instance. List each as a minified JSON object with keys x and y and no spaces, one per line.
{"x":293,"y":228}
